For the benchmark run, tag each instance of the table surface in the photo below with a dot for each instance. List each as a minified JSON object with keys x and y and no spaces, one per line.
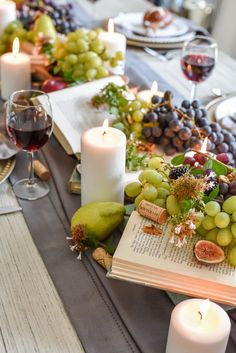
{"x":33,"y":318}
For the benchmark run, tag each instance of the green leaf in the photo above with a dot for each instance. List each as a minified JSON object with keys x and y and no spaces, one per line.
{"x":196,"y":171}
{"x":219,"y":168}
{"x":213,"y":194}
{"x":177,"y":160}
{"x":186,"y":205}
{"x":208,"y":164}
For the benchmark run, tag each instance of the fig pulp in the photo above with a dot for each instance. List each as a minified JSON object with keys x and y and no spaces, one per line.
{"x":208,"y":252}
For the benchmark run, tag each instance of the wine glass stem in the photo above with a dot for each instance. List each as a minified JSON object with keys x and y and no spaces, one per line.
{"x":31,"y":170}
{"x":193,"y":91}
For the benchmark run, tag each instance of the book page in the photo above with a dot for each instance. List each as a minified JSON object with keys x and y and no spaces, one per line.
{"x":73,"y":113}
{"x":156,"y":252}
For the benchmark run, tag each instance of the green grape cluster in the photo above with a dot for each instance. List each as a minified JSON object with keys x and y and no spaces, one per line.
{"x":219,"y":225}
{"x":81,"y":56}
{"x":14,"y":29}
{"x":152,"y":186}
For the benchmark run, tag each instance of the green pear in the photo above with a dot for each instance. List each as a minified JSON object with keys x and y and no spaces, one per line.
{"x":45,"y":26}
{"x":99,"y":218}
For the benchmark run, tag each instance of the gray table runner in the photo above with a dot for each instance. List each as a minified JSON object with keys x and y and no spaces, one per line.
{"x":109,"y":316}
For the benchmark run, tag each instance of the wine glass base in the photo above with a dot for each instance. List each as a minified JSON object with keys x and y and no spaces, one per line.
{"x":26,"y":191}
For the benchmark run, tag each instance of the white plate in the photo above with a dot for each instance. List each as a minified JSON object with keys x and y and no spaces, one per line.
{"x":227,"y":107}
{"x":134,"y":22}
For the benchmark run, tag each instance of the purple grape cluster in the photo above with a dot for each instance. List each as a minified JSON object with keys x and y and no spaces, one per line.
{"x":62,"y":15}
{"x":179,"y":129}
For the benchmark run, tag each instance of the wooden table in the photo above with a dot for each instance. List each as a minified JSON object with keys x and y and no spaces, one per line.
{"x":32,"y":316}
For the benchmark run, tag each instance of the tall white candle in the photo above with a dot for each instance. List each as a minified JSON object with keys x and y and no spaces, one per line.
{"x":195,"y":329}
{"x":114,"y":42}
{"x":15,"y":71}
{"x":103,"y":151}
{"x":147,"y":94}
{"x":7,"y":13}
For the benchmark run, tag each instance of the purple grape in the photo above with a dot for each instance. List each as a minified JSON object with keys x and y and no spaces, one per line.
{"x":232,"y":187}
{"x":224,"y":187}
{"x":184,"y":133}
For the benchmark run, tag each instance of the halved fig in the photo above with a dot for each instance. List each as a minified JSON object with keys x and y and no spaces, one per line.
{"x":208,"y":252}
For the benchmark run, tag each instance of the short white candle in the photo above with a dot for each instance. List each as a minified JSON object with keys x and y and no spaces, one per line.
{"x":103,"y":151}
{"x":194,"y":331}
{"x":147,"y":94}
{"x":15,"y":71}
{"x":114,"y":42}
{"x":7,"y":13}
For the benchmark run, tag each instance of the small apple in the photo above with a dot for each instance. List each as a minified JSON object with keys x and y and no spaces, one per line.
{"x":53,"y":84}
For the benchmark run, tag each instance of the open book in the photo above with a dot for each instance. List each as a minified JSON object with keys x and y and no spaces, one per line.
{"x":73,"y":112}
{"x":153,"y":261}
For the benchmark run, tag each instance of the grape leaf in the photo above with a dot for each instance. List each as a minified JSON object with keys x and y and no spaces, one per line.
{"x":219,"y":168}
{"x":196,"y":171}
{"x":177,"y":160}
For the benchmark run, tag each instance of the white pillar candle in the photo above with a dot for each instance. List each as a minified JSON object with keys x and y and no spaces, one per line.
{"x":114,"y":42}
{"x":195,"y":329}
{"x":103,"y":151}
{"x":15,"y":71}
{"x":7,"y":13}
{"x":147,"y":94}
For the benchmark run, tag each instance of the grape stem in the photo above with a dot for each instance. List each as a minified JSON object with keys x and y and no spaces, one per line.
{"x":208,"y":155}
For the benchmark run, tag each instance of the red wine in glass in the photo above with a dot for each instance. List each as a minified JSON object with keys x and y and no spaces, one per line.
{"x":30,"y":134}
{"x":197,"y":67}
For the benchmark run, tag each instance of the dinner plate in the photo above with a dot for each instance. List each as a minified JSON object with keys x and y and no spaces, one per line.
{"x":226,"y":108}
{"x":6,"y":167}
{"x":134,"y":22}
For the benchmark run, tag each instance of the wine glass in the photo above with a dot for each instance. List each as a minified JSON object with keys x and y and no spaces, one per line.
{"x":29,"y":125}
{"x":198,"y":59}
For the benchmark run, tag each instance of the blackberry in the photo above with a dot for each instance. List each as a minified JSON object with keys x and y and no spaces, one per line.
{"x":212,"y":184}
{"x":178,"y":172}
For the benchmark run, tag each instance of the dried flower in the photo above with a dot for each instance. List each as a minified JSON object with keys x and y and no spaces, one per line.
{"x":188,"y":187}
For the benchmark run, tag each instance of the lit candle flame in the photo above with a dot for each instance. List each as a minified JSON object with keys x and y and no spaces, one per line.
{"x":110,"y":25}
{"x":16,"y":47}
{"x":204,"y":145}
{"x":105,"y":126}
{"x":204,"y":307}
{"x":154,"y":87}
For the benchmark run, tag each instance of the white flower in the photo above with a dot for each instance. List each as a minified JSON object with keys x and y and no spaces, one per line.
{"x":192,"y":225}
{"x":177,"y":230}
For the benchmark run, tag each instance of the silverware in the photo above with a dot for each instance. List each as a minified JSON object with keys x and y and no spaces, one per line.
{"x":9,"y":209}
{"x":154,"y":53}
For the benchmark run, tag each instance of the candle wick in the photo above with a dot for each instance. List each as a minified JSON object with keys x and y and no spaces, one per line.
{"x":199,"y":312}
{"x":104,"y":133}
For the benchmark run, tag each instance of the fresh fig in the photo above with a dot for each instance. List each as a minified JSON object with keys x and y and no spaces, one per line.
{"x":208,"y":252}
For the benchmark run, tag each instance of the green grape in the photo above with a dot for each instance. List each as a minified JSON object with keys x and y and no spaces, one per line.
{"x":234,"y":216}
{"x":229,"y":205}
{"x":150,"y":176}
{"x":113,"y":62}
{"x":160,"y":202}
{"x":137,"y":116}
{"x":89,"y":55}
{"x":199,"y":218}
{"x":91,"y":73}
{"x":72,"y":36}
{"x":71,"y":46}
{"x":71,"y":59}
{"x":65,"y":67}
{"x":201,"y":231}
{"x":172,"y":205}
{"x":162,"y":193}
{"x":97,"y":46}
{"x":137,"y":128}
{"x":149,"y":192}
{"x":233,"y":229}
{"x":95,"y":62}
{"x":165,"y":185}
{"x":144,"y":104}
{"x":60,"y":53}
{"x":232,"y":244}
{"x":81,"y":32}
{"x":138,"y":199}
{"x":82,"y":45}
{"x":133,"y":189}
{"x":119,"y":126}
{"x":102,"y":72}
{"x":92,"y":35}
{"x":82,"y":57}
{"x":208,"y":222}
{"x":119,"y":56}
{"x":78,"y":73}
{"x":232,"y":256}
{"x":211,"y":235}
{"x":136,"y":105}
{"x":222,"y":220}
{"x":224,"y":236}
{"x":212,"y":208}
{"x":155,"y":162}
